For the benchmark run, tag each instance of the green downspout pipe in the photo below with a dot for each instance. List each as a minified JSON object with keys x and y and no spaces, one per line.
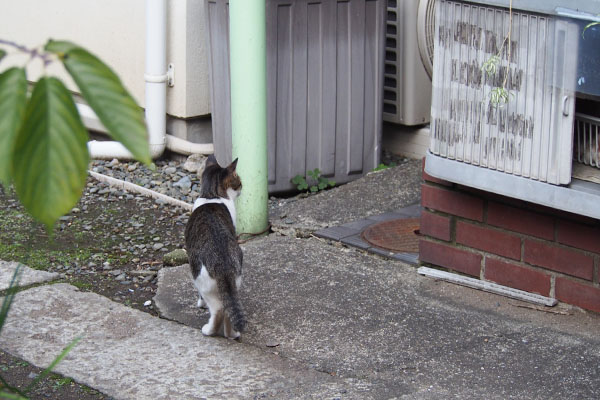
{"x":248,"y":55}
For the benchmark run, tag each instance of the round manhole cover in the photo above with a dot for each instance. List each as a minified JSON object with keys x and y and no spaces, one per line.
{"x":397,"y":235}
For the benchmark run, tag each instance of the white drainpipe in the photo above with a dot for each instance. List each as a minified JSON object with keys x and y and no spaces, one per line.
{"x":156,"y":75}
{"x":155,"y":95}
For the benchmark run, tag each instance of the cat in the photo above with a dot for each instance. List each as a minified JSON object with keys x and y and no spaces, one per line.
{"x":214,"y":254}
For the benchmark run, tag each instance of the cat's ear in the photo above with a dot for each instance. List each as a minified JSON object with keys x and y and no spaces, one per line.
{"x":232,"y":166}
{"x":211,"y":160}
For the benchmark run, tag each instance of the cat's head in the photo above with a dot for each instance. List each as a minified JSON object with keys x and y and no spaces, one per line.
{"x":218,"y":181}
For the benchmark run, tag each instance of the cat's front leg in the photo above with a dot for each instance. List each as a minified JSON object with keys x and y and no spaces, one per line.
{"x":201,"y":302}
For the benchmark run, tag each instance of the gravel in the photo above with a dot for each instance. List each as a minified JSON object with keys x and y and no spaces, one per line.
{"x":168,"y":177}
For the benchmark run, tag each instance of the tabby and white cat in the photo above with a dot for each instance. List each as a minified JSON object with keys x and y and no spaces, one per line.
{"x":213,"y":251}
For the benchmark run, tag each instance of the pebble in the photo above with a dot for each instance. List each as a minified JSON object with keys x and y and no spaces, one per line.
{"x":184,"y":183}
{"x":170,"y":170}
{"x":157,"y":246}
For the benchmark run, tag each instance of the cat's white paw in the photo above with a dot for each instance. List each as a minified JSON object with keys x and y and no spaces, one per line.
{"x":207,"y":330}
{"x":201,"y":303}
{"x":234,"y":335}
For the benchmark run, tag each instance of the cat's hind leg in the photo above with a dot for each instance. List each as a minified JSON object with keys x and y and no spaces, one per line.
{"x":228,"y":330}
{"x":209,"y":292}
{"x":201,"y":303}
{"x":197,"y":283}
{"x":212,"y":327}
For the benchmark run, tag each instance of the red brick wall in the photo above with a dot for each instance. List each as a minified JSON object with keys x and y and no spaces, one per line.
{"x":510,"y":242}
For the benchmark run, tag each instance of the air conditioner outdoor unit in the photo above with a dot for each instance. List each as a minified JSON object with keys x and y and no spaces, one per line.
{"x":408,"y":61}
{"x":506,"y":79}
{"x":529,"y":132}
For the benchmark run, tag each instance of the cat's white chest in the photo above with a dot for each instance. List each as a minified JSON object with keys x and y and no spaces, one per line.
{"x":228,"y":202}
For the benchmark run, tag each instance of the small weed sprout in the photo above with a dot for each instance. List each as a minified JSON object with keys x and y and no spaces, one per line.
{"x":313,"y":182}
{"x":383,"y":166}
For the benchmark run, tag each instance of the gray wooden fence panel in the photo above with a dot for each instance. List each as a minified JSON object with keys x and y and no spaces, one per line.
{"x":356,"y":65}
{"x":324,"y":87}
{"x":218,"y":33}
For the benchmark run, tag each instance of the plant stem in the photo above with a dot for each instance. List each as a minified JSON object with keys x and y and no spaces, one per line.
{"x":507,"y":38}
{"x":34,"y":53}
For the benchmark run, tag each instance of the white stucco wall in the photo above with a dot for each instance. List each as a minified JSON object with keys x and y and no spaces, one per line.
{"x":114,"y":31}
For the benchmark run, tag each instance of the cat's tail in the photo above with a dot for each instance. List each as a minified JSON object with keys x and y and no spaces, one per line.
{"x":233,"y":307}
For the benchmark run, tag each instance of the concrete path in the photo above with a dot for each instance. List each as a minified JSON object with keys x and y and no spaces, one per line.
{"x":378,"y":324}
{"x":28,"y":276}
{"x":129,"y":354}
{"x":325,"y":322}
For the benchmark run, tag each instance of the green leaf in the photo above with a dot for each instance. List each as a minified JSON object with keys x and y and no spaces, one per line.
{"x":298,"y":179}
{"x":314,"y":189}
{"x":322,"y":185}
{"x":10,"y":295}
{"x":50,"y":154}
{"x":2,"y":54}
{"x":104,"y":92}
{"x":13,"y":96}
{"x":60,"y":47}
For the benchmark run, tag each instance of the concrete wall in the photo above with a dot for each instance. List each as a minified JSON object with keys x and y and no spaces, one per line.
{"x":114,"y":31}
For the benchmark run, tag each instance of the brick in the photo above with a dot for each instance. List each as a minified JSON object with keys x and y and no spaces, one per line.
{"x":450,"y":257}
{"x":578,"y":294}
{"x":435,"y":225}
{"x":577,"y":235}
{"x":452,"y":202}
{"x":517,"y":277}
{"x":520,"y":220}
{"x":430,"y":178}
{"x":560,"y":259}
{"x":488,"y":239}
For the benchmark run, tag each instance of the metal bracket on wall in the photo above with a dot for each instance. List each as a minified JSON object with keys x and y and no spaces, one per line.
{"x":171,"y":75}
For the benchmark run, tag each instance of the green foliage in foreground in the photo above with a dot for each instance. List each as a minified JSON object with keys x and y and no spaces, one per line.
{"x":43,"y":142}
{"x":8,"y":391}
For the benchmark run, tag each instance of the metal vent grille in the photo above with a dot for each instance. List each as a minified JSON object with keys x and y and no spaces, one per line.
{"x":390,"y":84}
{"x":530,"y":135}
{"x":426,"y":33}
{"x":407,"y":85}
{"x":586,"y":148}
